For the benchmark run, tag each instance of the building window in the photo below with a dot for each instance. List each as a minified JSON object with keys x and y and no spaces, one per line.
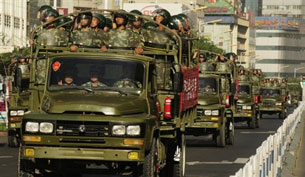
{"x":22,"y":23}
{"x":117,"y":2}
{"x":16,"y":22}
{"x":7,"y":20}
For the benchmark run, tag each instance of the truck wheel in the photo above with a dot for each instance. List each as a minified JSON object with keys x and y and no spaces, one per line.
{"x":150,"y":162}
{"x":221,"y":138}
{"x":258,"y":120}
{"x":13,"y":141}
{"x":252,"y":122}
{"x":230,"y":135}
{"x":179,"y":158}
{"x":25,"y":168}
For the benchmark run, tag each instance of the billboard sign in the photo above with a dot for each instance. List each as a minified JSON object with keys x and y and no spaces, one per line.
{"x":223,"y":7}
{"x":277,"y":23}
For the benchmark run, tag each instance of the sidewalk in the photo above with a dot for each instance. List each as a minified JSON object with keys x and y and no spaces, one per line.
{"x":3,"y":138}
{"x":299,"y":170}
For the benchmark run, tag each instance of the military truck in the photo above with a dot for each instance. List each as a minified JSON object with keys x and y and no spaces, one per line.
{"x":294,"y":92}
{"x":213,"y":115}
{"x":137,"y":131}
{"x":273,"y":100}
{"x":245,"y":108}
{"x":18,"y":102}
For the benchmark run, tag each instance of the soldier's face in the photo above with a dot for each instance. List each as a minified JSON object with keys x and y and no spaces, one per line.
{"x":232,"y":58}
{"x":201,"y":60}
{"x":136,"y":24}
{"x":106,"y":28}
{"x":159,"y":18}
{"x":84,"y":22}
{"x":68,"y":80}
{"x":94,"y":79}
{"x":95,"y":21}
{"x":119,"y":20}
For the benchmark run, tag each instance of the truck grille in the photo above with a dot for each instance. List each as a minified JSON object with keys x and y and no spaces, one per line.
{"x":268,"y":104}
{"x":200,"y":112}
{"x":78,"y":128}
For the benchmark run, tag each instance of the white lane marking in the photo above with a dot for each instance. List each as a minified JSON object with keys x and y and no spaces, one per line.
{"x":267,"y":132}
{"x":6,"y":157}
{"x":224,"y":162}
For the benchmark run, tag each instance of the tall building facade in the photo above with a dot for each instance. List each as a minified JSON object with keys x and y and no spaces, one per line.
{"x":280,"y":38}
{"x":13,"y":20}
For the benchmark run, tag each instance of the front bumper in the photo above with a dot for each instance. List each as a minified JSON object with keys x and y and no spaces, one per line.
{"x":243,"y":115}
{"x":271,"y":109}
{"x":204,"y":125}
{"x":94,"y":154}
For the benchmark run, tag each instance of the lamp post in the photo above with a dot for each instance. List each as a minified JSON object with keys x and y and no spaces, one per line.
{"x":295,"y":71}
{"x":214,"y":26}
{"x":285,"y":66}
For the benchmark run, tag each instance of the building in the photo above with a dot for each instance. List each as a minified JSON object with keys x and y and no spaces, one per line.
{"x":280,"y":38}
{"x":280,"y":45}
{"x":228,"y":27}
{"x":13,"y":22}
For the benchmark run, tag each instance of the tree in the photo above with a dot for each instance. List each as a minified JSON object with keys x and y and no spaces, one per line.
{"x":205,"y":44}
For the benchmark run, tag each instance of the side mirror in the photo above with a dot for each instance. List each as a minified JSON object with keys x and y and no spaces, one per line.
{"x":178,"y":82}
{"x":23,"y":79}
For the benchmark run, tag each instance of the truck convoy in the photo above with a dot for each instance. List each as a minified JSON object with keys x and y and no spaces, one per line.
{"x":136,"y":130}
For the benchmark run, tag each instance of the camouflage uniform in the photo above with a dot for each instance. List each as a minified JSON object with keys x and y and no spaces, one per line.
{"x":159,"y":37}
{"x":87,"y":38}
{"x":127,"y":83}
{"x":124,"y":38}
{"x":41,"y":71}
{"x":89,"y":84}
{"x":206,"y":66}
{"x":102,"y":36}
{"x":52,"y":37}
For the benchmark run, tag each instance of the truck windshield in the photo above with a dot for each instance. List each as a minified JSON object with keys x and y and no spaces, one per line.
{"x":270,"y":92}
{"x":207,"y":85}
{"x":96,"y":74}
{"x":244,"y":90}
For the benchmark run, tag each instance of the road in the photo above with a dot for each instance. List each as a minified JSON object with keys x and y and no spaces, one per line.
{"x":203,"y":158}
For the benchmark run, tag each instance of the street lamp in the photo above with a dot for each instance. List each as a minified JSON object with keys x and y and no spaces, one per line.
{"x":295,"y":71}
{"x":285,"y":66}
{"x":214,"y":26}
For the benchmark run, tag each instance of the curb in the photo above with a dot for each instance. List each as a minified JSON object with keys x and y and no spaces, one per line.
{"x":290,"y":158}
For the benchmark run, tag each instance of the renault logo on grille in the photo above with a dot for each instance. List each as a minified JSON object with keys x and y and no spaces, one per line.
{"x":82,"y":128}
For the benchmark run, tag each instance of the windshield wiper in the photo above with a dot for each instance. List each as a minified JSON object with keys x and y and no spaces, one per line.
{"x":116,"y":90}
{"x":75,"y":88}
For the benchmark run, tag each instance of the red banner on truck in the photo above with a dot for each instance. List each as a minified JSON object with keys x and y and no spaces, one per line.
{"x":189,"y":94}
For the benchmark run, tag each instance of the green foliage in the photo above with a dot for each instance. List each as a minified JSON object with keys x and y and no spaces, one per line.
{"x":6,"y":58}
{"x":205,"y":44}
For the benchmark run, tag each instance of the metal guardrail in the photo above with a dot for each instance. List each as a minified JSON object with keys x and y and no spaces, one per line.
{"x":269,"y":157}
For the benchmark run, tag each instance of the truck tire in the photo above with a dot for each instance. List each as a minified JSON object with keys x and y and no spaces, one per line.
{"x":252,"y":122}
{"x":13,"y":141}
{"x":25,"y":169}
{"x":258,"y":120}
{"x":230,"y":134}
{"x":221,"y":137}
{"x":179,"y":166}
{"x":150,"y":162}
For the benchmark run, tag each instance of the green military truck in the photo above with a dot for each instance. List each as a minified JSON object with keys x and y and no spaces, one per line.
{"x":138,"y":131}
{"x":18,"y":103}
{"x":273,"y":101}
{"x":294,"y":93}
{"x":213,"y":115}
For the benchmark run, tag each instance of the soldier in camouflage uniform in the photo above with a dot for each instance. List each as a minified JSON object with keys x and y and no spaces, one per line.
{"x":84,"y":35}
{"x":50,"y":35}
{"x":122,"y":37}
{"x":65,"y":23}
{"x":108,"y":25}
{"x":127,"y":83}
{"x":94,"y":80}
{"x":205,"y":65}
{"x":68,"y":79}
{"x":97,"y":24}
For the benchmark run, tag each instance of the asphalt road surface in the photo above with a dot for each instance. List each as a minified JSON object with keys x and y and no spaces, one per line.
{"x":203,"y":158}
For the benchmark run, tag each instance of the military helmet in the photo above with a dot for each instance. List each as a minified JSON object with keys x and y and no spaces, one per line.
{"x":164,"y":13}
{"x":65,"y":20}
{"x":108,"y":23}
{"x":122,"y":15}
{"x":202,"y":55}
{"x":101,"y":18}
{"x":150,"y":25}
{"x":43,"y":9}
{"x":50,"y":13}
{"x":228,"y":55}
{"x":135,"y":18}
{"x":183,"y":16}
{"x":174,"y":22}
{"x":85,"y":15}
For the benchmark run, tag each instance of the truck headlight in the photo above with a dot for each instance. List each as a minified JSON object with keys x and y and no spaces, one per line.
{"x":46,"y":127}
{"x":207,"y":112}
{"x":13,"y":113}
{"x":133,"y":130}
{"x":20,"y":112}
{"x":244,"y":107}
{"x":278,"y":104}
{"x":249,"y":107}
{"x":118,"y":130}
{"x":215,"y":113}
{"x":32,"y":127}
